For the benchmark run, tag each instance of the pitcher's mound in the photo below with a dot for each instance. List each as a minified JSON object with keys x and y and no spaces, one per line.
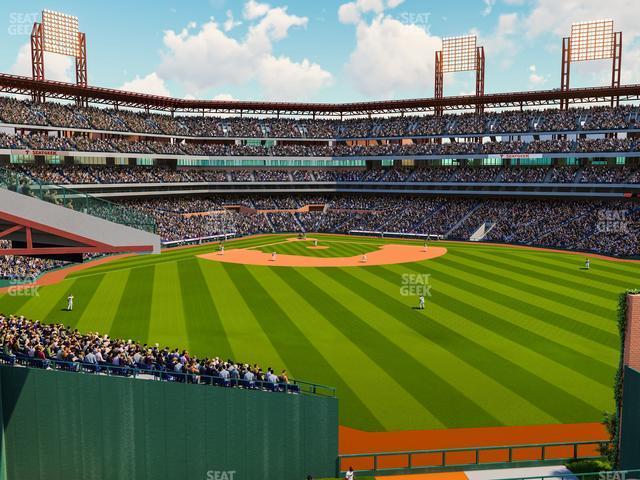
{"x":385,"y":255}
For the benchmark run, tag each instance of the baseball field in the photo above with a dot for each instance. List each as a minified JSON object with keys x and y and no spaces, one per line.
{"x":508,"y":336}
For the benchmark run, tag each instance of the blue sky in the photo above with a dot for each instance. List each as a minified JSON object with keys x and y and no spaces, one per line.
{"x":321,"y":50}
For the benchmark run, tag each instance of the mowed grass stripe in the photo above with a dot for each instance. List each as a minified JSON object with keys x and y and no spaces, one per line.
{"x":569,"y":277}
{"x":392,"y":401}
{"x":538,"y":285}
{"x":201,"y":316}
{"x":103,"y":307}
{"x":296,"y":349}
{"x":560,"y":275}
{"x":171,"y":255}
{"x":249,"y":343}
{"x":83,"y":291}
{"x":409,"y":329}
{"x":551,"y":285}
{"x":515,"y":299}
{"x":498,"y":358}
{"x":167,"y":326}
{"x":394,"y":360}
{"x":134,"y":310}
{"x":477,"y":302}
{"x":601,"y":270}
{"x":36,"y":305}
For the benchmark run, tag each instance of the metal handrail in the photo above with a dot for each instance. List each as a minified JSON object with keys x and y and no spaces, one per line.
{"x":443,"y":463}
{"x":25,"y":184}
{"x":294,"y":386}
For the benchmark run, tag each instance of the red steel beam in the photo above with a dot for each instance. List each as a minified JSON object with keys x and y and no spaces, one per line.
{"x":26,"y":86}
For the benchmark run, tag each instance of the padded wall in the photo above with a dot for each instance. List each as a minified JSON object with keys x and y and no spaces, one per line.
{"x":63,"y":425}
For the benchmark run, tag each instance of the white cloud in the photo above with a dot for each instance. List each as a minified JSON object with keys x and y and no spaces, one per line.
{"x":351,"y":12}
{"x":254,"y":10}
{"x":56,"y":67}
{"x":501,"y":44}
{"x":534,"y":77}
{"x":282,"y":78}
{"x":488,"y":7}
{"x":206,"y":57}
{"x":555,"y":17}
{"x":229,"y":24}
{"x":391,"y":56}
{"x":151,"y":84}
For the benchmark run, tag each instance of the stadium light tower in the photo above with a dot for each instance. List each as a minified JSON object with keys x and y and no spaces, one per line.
{"x":459,"y":54}
{"x":594,"y":40}
{"x":58,"y":33}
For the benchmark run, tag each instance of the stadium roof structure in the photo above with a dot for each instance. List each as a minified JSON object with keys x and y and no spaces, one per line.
{"x":20,"y":85}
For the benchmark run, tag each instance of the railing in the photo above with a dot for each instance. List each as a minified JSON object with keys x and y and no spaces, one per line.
{"x":605,"y":475}
{"x":470,"y":458}
{"x":74,"y":200}
{"x":198,"y":240}
{"x":160,"y":374}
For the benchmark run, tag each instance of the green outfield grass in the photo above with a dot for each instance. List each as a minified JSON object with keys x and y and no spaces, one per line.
{"x":509,"y":336}
{"x":339,"y":247}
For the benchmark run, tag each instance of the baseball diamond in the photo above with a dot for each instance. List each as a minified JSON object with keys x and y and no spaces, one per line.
{"x":509,"y":336}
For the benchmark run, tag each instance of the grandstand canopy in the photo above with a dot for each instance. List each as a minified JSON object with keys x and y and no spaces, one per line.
{"x":21,"y":85}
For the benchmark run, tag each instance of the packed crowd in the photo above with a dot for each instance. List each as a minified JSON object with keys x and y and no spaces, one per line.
{"x":19,"y":269}
{"x":67,"y":115}
{"x":80,"y":143}
{"x":98,"y":174}
{"x":605,"y":227}
{"x":42,"y":345}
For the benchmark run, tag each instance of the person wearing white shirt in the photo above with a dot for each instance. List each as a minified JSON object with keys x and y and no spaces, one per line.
{"x":350,"y":475}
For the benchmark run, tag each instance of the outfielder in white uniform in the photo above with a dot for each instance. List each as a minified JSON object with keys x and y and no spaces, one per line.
{"x":70,"y":303}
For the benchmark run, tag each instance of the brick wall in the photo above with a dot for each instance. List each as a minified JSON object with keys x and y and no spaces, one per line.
{"x":632,"y":338}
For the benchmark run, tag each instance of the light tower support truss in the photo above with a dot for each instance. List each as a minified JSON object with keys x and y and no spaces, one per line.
{"x":58,"y":33}
{"x":459,"y":54}
{"x":594,"y":40}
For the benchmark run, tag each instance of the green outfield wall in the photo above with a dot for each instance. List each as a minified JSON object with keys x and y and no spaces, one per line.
{"x":630,"y":427}
{"x":64,"y":425}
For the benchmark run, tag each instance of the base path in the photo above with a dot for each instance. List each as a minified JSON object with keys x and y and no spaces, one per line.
{"x":387,"y":254}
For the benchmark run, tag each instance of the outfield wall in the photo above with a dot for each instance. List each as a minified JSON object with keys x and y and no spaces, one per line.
{"x":64,"y":425}
{"x":630,"y":425}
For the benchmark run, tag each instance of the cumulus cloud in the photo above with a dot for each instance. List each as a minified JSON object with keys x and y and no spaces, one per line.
{"x":390,"y":57}
{"x":551,"y":16}
{"x":253,"y":10}
{"x":229,"y":24}
{"x":351,"y":12}
{"x":282,"y":78}
{"x":151,"y":84}
{"x":535,"y":78}
{"x":488,"y":7}
{"x":57,"y":67}
{"x":200,"y":58}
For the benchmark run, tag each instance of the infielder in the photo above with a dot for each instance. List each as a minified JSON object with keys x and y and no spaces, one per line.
{"x":273,"y":256}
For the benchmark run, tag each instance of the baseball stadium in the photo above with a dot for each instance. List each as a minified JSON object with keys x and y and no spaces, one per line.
{"x":436,"y":288}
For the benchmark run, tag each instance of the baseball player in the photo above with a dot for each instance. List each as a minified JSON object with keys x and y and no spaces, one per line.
{"x":70,"y":303}
{"x":421,"y":304}
{"x":587,"y":264}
